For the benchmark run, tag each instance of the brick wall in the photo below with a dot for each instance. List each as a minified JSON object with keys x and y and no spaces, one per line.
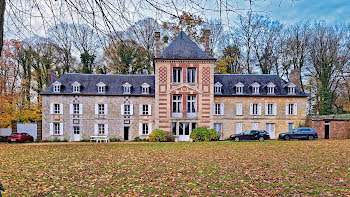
{"x":338,"y":129}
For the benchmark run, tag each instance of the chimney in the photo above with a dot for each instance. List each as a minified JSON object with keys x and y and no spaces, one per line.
{"x":51,"y":77}
{"x":157,"y":36}
{"x":294,"y":77}
{"x":206,"y":41}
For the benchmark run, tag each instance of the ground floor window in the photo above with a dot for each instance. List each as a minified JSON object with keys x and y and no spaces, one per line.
{"x":101,"y":129}
{"x":290,"y":126}
{"x":182,"y":128}
{"x":239,"y":127}
{"x":218,"y":128}
{"x":144,"y":128}
{"x":270,"y":128}
{"x":56,"y":128}
{"x":255,"y":126}
{"x":173,"y":127}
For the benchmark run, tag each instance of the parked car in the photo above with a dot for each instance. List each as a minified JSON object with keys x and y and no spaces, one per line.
{"x":299,"y":133}
{"x":20,"y":137}
{"x":260,"y":135}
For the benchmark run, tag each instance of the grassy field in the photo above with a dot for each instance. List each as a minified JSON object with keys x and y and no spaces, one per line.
{"x":216,"y":168}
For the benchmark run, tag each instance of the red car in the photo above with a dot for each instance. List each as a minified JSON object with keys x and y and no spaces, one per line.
{"x":20,"y":137}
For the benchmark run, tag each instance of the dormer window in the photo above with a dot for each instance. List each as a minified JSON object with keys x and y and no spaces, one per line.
{"x":76,"y":87}
{"x":255,"y":88}
{"x":271,"y":88}
{"x":217,"y":88}
{"x":56,"y":86}
{"x":127,"y":88}
{"x":239,"y":88}
{"x":290,"y":88}
{"x":101,"y":88}
{"x":145,"y":88}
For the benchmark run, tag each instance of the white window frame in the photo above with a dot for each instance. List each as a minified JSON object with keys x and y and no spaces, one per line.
{"x":127,"y":88}
{"x":270,"y":90}
{"x":101,"y":109}
{"x":145,"y":88}
{"x":57,"y":88}
{"x":75,"y":129}
{"x":269,"y":108}
{"x":76,"y":108}
{"x":239,"y":109}
{"x":177,"y":75}
{"x":218,"y":109}
{"x":76,"y":89}
{"x":239,"y":90}
{"x":57,"y":128}
{"x":191,"y":75}
{"x":56,"y":108}
{"x":255,"y":109}
{"x":145,"y":129}
{"x":218,"y":128}
{"x":101,"y":89}
{"x":290,"y":109}
{"x":145,"y":110}
{"x":127,"y":109}
{"x":192,"y":103}
{"x":239,"y":127}
{"x":218,"y":88}
{"x":291,"y":90}
{"x":101,"y":129}
{"x":177,"y":102}
{"x":255,"y":90}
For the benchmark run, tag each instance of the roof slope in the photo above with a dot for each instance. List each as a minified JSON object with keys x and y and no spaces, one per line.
{"x":229,"y":80}
{"x":183,"y":48}
{"x":113,"y":84}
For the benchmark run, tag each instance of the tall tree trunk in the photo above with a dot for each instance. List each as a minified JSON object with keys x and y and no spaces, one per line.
{"x":2,"y":17}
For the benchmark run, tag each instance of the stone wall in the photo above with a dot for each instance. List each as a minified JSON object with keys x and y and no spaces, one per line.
{"x":281,"y":120}
{"x":88,"y":119}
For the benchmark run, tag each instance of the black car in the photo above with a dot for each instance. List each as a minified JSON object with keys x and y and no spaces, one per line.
{"x":299,"y":133}
{"x":251,"y":135}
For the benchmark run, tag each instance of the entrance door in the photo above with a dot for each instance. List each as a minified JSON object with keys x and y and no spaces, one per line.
{"x":270,"y":127}
{"x":126,"y":133}
{"x":326,"y":130}
{"x":76,"y":133}
{"x":184,"y":132}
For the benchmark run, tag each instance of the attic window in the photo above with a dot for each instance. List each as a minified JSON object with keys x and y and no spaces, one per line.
{"x":255,"y":88}
{"x":271,"y":88}
{"x":291,"y":88}
{"x":76,"y":87}
{"x":101,"y":87}
{"x":145,"y":88}
{"x":56,"y":86}
{"x":217,"y":88}
{"x":127,"y":88}
{"x":239,"y":88}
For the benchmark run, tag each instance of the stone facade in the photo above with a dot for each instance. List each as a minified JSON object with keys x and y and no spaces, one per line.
{"x":183,"y":94}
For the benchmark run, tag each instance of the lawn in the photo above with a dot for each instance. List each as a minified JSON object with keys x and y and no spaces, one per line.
{"x":216,"y":168}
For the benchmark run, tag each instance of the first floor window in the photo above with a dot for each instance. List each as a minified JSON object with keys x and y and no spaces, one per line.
{"x":177,"y":75}
{"x":144,"y":128}
{"x":76,"y":130}
{"x":191,"y":104}
{"x":218,"y":109}
{"x":101,"y":109}
{"x":255,"y":109}
{"x":56,"y":128}
{"x":57,"y":109}
{"x":144,"y":109}
{"x":290,"y":109}
{"x":177,"y":103}
{"x":239,"y":109}
{"x":269,"y":109}
{"x":101,"y":129}
{"x":126,"y":109}
{"x":191,"y":75}
{"x":76,"y":109}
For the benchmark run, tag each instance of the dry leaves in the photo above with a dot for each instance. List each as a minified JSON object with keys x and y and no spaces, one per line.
{"x":214,"y":168}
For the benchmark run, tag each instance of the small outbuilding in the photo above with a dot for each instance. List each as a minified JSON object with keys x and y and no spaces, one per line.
{"x":331,"y":126}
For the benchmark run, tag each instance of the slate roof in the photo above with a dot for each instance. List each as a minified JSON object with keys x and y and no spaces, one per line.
{"x":113,"y":84}
{"x":183,"y":48}
{"x":229,"y":80}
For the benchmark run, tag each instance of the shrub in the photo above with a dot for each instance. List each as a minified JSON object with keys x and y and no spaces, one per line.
{"x":303,"y":125}
{"x":3,"y":138}
{"x":114,"y":140}
{"x":138,"y":139}
{"x":57,"y":140}
{"x":85,"y":140}
{"x":158,"y":135}
{"x":202,"y":134}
